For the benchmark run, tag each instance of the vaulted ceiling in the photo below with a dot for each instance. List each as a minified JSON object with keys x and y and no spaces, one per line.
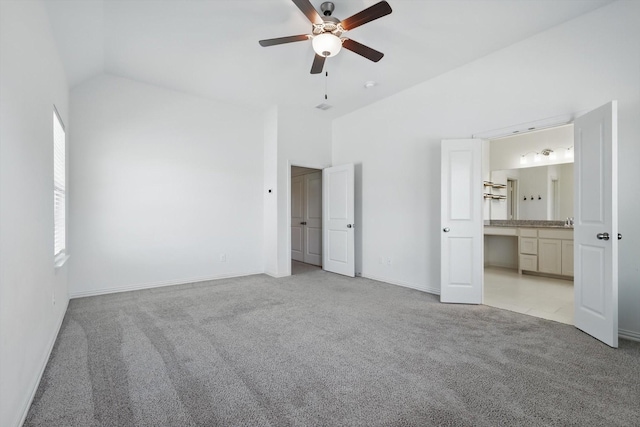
{"x":210,"y":48}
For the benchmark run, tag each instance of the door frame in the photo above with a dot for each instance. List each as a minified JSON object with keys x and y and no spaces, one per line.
{"x":291,"y":163}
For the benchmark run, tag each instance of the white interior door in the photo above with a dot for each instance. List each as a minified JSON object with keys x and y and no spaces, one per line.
{"x":338,"y":254}
{"x":596,"y":224}
{"x":297,"y":218}
{"x":461,"y":245}
{"x":313,"y":218}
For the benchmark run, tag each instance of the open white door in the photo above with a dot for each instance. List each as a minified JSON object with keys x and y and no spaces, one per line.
{"x":461,"y":245}
{"x":297,"y":218}
{"x":596,"y":223}
{"x":337,"y":220}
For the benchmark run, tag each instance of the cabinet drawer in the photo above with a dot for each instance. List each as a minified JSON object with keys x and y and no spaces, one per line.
{"x":529,"y":245}
{"x":529,"y":262}
{"x":500,"y":231}
{"x":528,"y":232}
{"x":555,"y":233}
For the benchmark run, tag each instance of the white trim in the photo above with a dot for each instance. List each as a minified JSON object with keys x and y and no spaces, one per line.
{"x":403,"y":284}
{"x":43,"y":365}
{"x":629,"y":335}
{"x":275,"y":275}
{"x":534,"y":126}
{"x":140,"y":286}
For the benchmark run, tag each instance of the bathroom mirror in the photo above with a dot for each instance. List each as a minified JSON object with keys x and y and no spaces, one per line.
{"x":534,"y":193}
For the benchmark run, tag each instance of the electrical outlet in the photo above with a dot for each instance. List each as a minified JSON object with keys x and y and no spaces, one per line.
{"x":223,"y":257}
{"x":388,"y":261}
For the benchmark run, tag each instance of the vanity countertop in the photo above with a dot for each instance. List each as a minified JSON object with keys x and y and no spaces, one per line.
{"x":527,"y":224}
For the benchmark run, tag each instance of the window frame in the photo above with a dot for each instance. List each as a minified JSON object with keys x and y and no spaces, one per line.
{"x":60,"y":255}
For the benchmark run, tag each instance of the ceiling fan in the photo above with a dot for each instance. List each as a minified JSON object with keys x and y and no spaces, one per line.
{"x":327,"y":32}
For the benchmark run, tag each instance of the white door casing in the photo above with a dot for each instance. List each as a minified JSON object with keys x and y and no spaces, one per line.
{"x":596,"y":224}
{"x":338,"y":204}
{"x":297,"y":218}
{"x":461,"y":226}
{"x":313,"y":218}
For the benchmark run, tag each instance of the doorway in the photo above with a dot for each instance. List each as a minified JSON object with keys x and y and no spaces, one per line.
{"x":306,"y":219}
{"x":523,"y":271}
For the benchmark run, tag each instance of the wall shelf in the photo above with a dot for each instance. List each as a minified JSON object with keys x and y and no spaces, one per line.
{"x":493,"y":185}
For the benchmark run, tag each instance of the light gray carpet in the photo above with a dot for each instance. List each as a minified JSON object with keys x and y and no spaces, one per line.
{"x":321,"y":349}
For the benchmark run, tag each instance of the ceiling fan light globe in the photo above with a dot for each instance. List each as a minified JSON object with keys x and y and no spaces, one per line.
{"x":326,"y":44}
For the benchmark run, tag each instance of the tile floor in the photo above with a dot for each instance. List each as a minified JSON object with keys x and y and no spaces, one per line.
{"x":536,"y":296}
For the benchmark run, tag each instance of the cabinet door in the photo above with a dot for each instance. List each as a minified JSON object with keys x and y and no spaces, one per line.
{"x":550,"y":256}
{"x":567,"y":257}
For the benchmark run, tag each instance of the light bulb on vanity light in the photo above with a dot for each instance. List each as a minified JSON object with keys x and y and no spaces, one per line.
{"x":568,"y":154}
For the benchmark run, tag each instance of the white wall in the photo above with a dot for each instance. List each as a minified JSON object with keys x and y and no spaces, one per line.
{"x":32,"y":81}
{"x":574,"y":67}
{"x":162,"y":184}
{"x":301,"y":138}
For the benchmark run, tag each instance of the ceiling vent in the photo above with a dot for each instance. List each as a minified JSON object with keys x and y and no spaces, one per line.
{"x":323,"y":106}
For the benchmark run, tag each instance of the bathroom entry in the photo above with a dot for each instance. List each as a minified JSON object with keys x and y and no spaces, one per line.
{"x":306,"y":215}
{"x":530,"y":271}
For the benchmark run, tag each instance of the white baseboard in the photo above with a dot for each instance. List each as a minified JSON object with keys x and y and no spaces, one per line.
{"x":403,"y":284}
{"x":140,"y":286}
{"x":629,"y":335}
{"x":43,"y":365}
{"x":276,"y":275}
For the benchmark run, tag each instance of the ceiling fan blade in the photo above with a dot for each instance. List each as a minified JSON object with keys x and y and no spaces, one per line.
{"x":376,"y":11}
{"x":318,"y":64}
{"x":362,"y":50}
{"x":309,"y":11}
{"x":282,"y":40}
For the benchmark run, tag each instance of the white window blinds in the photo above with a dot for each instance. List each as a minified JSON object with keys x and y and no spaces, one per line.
{"x":59,"y":187}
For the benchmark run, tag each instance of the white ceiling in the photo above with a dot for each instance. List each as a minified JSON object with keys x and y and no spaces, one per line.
{"x":210,"y":48}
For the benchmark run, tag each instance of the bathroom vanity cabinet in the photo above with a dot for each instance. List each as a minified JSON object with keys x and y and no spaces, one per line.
{"x":541,"y":250}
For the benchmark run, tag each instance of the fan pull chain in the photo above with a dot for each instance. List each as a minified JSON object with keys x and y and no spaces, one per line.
{"x":326,"y":78}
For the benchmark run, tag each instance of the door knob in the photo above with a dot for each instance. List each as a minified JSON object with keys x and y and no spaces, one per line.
{"x":446,"y":229}
{"x":303,"y":223}
{"x":619,"y":236}
{"x":602,"y":236}
{"x":349,"y":225}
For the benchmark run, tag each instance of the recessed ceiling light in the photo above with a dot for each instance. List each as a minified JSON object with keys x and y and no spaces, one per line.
{"x":370,"y":84}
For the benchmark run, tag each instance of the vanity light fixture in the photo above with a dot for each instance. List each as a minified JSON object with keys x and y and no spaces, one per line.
{"x":549,"y":153}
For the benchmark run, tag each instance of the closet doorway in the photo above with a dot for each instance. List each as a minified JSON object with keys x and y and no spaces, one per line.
{"x":306,"y":215}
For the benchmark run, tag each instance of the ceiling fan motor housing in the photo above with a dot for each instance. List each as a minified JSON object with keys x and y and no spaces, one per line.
{"x":327,"y":8}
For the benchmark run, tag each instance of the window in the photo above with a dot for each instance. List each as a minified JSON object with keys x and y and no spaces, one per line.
{"x":59,"y":189}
